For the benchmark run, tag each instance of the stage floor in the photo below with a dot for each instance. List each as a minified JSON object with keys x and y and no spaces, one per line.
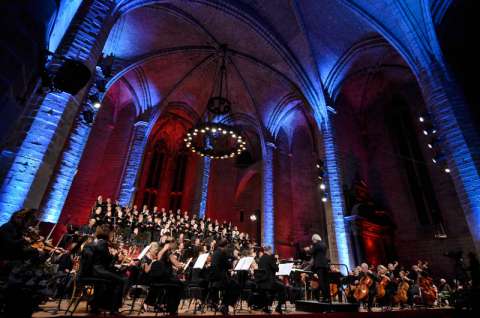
{"x":50,"y":307}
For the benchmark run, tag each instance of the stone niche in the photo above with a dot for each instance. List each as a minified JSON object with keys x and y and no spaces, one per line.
{"x":372,"y":239}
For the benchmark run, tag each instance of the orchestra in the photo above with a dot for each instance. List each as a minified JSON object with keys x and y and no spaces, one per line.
{"x":123,"y":247}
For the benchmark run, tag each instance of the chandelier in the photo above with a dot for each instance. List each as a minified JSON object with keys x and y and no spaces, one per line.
{"x":210,"y":138}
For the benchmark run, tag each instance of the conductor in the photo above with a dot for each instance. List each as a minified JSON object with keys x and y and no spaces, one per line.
{"x":320,"y":264}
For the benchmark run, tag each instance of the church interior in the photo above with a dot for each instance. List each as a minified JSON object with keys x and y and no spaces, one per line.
{"x":350,"y":119}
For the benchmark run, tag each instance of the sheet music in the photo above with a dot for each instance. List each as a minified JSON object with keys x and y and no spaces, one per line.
{"x":284,"y":269}
{"x":201,"y":260}
{"x":144,"y":251}
{"x":244,"y":264}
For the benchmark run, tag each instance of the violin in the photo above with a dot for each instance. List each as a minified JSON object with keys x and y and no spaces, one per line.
{"x":361,"y":291}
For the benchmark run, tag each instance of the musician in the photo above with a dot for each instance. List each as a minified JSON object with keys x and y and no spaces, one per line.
{"x":320,"y":265}
{"x":220,"y":279}
{"x":372,"y":289}
{"x":268,"y":280}
{"x":13,"y":244}
{"x":162,"y":272}
{"x":89,"y":229}
{"x":103,"y":262}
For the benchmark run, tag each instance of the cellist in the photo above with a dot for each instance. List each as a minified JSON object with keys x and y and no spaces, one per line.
{"x":367,"y":286}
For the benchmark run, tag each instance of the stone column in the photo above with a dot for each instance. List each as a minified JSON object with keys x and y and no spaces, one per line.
{"x":268,"y":213}
{"x":67,"y":169}
{"x":36,"y":158}
{"x":338,"y":239}
{"x":204,"y":187}
{"x":459,"y":139}
{"x":133,"y":163}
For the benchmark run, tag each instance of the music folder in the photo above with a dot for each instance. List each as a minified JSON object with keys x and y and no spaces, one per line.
{"x":244,"y":264}
{"x":201,"y":260}
{"x":284,"y":269}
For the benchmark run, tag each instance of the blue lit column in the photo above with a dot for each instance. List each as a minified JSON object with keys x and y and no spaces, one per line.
{"x":67,"y":168}
{"x":268,"y":216}
{"x":459,"y":139}
{"x":204,"y":187}
{"x":338,"y":241}
{"x":134,"y":162}
{"x":35,"y":159}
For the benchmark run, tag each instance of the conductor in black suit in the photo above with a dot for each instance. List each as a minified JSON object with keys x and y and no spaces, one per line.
{"x":320,"y":264}
{"x":268,"y":280}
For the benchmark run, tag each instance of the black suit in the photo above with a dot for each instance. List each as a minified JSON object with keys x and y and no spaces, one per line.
{"x":103,"y":268}
{"x":320,"y":267}
{"x":267,"y":279}
{"x":220,"y":279}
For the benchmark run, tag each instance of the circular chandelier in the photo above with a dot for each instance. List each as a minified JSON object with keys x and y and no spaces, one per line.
{"x":210,"y":138}
{"x":215,"y":140}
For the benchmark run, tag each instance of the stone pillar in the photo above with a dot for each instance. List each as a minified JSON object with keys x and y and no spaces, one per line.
{"x":36,"y":158}
{"x":133,"y":163}
{"x":204,"y":187}
{"x":338,"y":240}
{"x":459,"y":139}
{"x":268,"y":213}
{"x":67,"y":169}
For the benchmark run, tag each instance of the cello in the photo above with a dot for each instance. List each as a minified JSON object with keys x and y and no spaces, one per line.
{"x":361,"y":291}
{"x":401,"y":296}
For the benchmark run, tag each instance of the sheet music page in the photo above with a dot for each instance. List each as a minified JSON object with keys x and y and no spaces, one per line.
{"x":144,"y":251}
{"x":284,"y":269}
{"x":244,"y":264}
{"x":201,"y":260}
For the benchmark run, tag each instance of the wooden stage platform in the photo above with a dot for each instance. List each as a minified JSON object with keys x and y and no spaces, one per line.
{"x":291,"y":313}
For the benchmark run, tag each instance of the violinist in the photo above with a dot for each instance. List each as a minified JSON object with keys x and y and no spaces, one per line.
{"x":103,"y":267}
{"x":162,"y":271}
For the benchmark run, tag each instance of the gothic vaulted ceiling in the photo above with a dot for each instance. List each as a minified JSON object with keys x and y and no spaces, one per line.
{"x":279,"y":51}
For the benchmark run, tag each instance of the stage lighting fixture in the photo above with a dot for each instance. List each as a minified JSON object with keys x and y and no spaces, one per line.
{"x":324,"y":199}
{"x":323,"y":186}
{"x":253,"y":217}
{"x":97,"y":104}
{"x":71,"y":77}
{"x":447,"y":170}
{"x":88,"y":116}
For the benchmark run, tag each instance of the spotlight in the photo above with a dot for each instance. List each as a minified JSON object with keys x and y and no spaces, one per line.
{"x":425,"y":132}
{"x":97,"y":104}
{"x":447,"y":170}
{"x":421,"y":119}
{"x":253,"y":218}
{"x":434,"y":160}
{"x":323,"y":186}
{"x":324,"y":199}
